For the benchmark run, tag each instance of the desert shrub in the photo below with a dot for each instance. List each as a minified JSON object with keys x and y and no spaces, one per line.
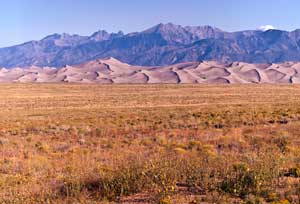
{"x":109,"y":184}
{"x":165,"y":200}
{"x":252,"y":199}
{"x":282,"y":143}
{"x":272,"y":197}
{"x":193,"y":144}
{"x":284,"y":201}
{"x":294,"y":172}
{"x":122,"y":181}
{"x":242,"y":181}
{"x":136,"y":175}
{"x":202,"y":173}
{"x":163,"y":174}
{"x":255,"y":176}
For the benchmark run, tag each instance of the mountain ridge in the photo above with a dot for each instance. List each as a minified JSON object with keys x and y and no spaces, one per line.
{"x":163,"y":44}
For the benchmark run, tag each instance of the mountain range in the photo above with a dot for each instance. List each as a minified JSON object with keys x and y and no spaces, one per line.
{"x":163,"y":44}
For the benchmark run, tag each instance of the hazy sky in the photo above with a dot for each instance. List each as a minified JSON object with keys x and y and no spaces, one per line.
{"x":23,"y":20}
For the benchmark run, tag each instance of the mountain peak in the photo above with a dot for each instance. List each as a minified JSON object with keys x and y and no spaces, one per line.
{"x":64,"y":39}
{"x":102,"y":35}
{"x":205,"y":27}
{"x":52,"y":36}
{"x":186,"y":35}
{"x":102,"y":32}
{"x":67,"y":35}
{"x":159,"y":28}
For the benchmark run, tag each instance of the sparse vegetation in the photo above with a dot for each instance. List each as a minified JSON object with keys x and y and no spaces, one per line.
{"x":149,"y":144}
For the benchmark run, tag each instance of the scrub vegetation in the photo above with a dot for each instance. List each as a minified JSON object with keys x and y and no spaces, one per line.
{"x":197,"y":144}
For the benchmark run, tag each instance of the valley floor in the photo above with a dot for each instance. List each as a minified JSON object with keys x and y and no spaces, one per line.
{"x":75,"y":143}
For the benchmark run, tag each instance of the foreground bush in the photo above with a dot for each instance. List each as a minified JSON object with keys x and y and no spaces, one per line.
{"x":156,"y":175}
{"x":162,"y":176}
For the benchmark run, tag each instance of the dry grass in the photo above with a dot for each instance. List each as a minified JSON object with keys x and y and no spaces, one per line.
{"x":71,"y":143}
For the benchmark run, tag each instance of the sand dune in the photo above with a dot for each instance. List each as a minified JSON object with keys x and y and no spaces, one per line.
{"x":113,"y":71}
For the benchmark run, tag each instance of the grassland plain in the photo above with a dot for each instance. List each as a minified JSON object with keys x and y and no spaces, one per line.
{"x":74,"y":143}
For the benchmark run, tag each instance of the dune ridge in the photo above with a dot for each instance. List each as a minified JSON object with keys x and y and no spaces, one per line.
{"x":111,"y":70}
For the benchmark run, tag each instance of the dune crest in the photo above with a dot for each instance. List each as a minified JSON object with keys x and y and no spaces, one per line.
{"x":111,"y":70}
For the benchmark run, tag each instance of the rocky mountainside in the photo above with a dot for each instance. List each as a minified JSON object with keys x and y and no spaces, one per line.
{"x":163,"y":44}
{"x":113,"y":71}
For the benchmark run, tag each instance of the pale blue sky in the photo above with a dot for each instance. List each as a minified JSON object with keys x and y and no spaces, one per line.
{"x":24,"y":20}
